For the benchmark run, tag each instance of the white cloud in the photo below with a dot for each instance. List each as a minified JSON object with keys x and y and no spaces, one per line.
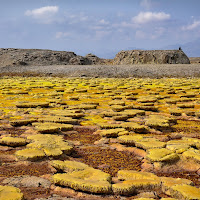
{"x":192,"y":26}
{"x":102,"y":34}
{"x":146,"y":4}
{"x":62,"y":35}
{"x":127,"y":25}
{"x":74,"y":18}
{"x":120,"y":14}
{"x":104,"y":22}
{"x":140,"y":34}
{"x":145,"y":17}
{"x":158,"y":33}
{"x":150,"y":35}
{"x":43,"y":14}
{"x":97,"y":28}
{"x":83,"y":18}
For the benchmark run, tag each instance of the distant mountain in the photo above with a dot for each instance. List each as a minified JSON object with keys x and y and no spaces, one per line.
{"x":192,"y":49}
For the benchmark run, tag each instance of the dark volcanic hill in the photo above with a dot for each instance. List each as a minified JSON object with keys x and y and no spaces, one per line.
{"x":39,"y":57}
{"x":12,"y":57}
{"x":151,"y":57}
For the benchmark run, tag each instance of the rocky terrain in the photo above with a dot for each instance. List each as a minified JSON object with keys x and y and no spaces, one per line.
{"x":194,"y":60}
{"x":118,"y":71}
{"x":38,"y":57}
{"x":151,"y":57}
{"x":31,"y":57}
{"x":135,"y":63}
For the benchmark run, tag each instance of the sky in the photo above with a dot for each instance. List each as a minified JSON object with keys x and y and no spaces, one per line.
{"x":101,"y":27}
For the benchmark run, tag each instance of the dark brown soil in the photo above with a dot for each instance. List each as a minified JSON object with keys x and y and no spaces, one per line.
{"x":84,"y":135}
{"x":32,"y":169}
{"x":187,"y":175}
{"x":33,"y":193}
{"x":13,"y":131}
{"x":109,"y":161}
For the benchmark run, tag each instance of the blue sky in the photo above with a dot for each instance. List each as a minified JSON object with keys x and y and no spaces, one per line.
{"x":102,"y":27}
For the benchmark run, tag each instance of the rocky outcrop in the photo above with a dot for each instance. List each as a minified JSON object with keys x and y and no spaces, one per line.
{"x":39,"y":57}
{"x":10,"y":57}
{"x":151,"y":57}
{"x":94,"y":59}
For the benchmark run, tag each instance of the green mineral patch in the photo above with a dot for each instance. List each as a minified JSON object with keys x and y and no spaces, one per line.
{"x":10,"y":193}
{"x":13,"y":141}
{"x":121,"y":118}
{"x":130,"y":139}
{"x":186,"y":105}
{"x":131,"y":186}
{"x":168,"y":182}
{"x":150,"y":143}
{"x":141,"y":141}
{"x":185,"y":192}
{"x":22,"y":122}
{"x":180,"y":145}
{"x":161,"y":155}
{"x":68,"y":166}
{"x":192,"y":154}
{"x":115,"y":102}
{"x":31,"y":154}
{"x":176,"y":112}
{"x":57,"y":119}
{"x":146,"y":99}
{"x":134,"y":181}
{"x":84,"y":106}
{"x":159,"y":122}
{"x":194,"y":142}
{"x":109,"y":125}
{"x":171,"y":101}
{"x":31,"y":104}
{"x":112,"y":132}
{"x":44,"y":146}
{"x":48,"y":127}
{"x":197,"y":114}
{"x":67,"y":113}
{"x":132,"y":126}
{"x":135,"y":175}
{"x":117,"y":108}
{"x":110,"y":114}
{"x":88,"y":180}
{"x":124,"y":188}
{"x":133,"y":112}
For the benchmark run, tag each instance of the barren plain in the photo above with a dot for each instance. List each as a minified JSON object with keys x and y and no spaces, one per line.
{"x":107,"y":71}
